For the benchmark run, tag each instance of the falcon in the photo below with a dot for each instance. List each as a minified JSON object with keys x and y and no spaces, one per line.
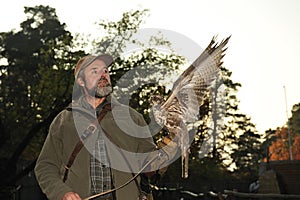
{"x":188,"y":93}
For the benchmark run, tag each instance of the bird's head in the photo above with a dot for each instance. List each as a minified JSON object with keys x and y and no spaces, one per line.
{"x":156,"y":100}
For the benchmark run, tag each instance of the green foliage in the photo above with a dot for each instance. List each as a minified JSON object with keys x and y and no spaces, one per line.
{"x":293,"y":122}
{"x":138,"y":75}
{"x":218,"y":120}
{"x":234,"y":142}
{"x":276,"y":142}
{"x":36,"y":80}
{"x":248,"y":153}
{"x":268,"y":138}
{"x":119,"y":33}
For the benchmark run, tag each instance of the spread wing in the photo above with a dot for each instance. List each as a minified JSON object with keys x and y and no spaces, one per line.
{"x":188,"y":94}
{"x":190,"y":89}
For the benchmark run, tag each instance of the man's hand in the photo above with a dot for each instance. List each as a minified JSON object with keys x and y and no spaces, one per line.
{"x":71,"y":196}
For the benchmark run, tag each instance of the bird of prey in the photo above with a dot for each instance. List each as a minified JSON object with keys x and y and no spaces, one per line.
{"x":188,"y":93}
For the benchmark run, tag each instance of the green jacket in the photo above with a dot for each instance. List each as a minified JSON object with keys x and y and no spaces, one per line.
{"x":64,"y":135}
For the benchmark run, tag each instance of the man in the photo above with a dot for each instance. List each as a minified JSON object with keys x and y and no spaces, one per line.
{"x":97,"y":167}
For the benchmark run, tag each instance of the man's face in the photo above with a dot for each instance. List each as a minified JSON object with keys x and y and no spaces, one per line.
{"x":97,"y":80}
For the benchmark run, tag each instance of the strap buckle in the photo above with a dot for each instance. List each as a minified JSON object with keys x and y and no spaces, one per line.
{"x":92,"y":128}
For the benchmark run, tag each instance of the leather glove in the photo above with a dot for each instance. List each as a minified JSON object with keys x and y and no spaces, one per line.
{"x":168,"y":146}
{"x":167,"y":149}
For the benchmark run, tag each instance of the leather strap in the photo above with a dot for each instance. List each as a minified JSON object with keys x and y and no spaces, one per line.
{"x":126,"y":183}
{"x":87,"y":132}
{"x":80,"y":144}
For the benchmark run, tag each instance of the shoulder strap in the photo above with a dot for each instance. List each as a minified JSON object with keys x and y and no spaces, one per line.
{"x":87,"y":132}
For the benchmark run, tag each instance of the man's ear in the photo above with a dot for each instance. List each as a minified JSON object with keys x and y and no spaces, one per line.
{"x":80,"y":81}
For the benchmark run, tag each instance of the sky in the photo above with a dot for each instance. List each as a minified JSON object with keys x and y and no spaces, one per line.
{"x":263,"y":52}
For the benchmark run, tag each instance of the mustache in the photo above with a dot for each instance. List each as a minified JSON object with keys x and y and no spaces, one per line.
{"x":104,"y":81}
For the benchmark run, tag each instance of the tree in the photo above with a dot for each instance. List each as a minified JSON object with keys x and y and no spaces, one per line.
{"x":138,"y":75}
{"x":38,"y":78}
{"x":268,"y":138}
{"x":227,"y":123}
{"x":225,"y":138}
{"x":280,"y":149}
{"x":239,"y":141}
{"x":42,"y":62}
{"x":296,"y":149}
{"x":294,"y":127}
{"x":294,"y":120}
{"x":248,"y":153}
{"x":36,"y":81}
{"x":212,"y":111}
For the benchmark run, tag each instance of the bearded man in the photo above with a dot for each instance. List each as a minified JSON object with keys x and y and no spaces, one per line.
{"x":80,"y":158}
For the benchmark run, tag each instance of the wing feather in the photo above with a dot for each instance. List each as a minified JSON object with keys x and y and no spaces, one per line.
{"x":188,"y":94}
{"x":190,"y":89}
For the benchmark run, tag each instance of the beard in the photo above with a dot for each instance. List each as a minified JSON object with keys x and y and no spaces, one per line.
{"x":102,"y":89}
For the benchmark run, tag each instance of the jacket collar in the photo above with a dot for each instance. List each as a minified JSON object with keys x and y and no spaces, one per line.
{"x":82,"y":105}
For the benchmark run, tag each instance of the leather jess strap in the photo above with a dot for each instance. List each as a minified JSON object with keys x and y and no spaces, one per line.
{"x":87,"y":132}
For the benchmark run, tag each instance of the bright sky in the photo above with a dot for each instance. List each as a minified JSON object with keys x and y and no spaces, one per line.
{"x":262,"y":51}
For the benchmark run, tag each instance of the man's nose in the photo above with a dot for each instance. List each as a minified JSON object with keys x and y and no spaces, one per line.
{"x":102,"y":73}
{"x":102,"y":77}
